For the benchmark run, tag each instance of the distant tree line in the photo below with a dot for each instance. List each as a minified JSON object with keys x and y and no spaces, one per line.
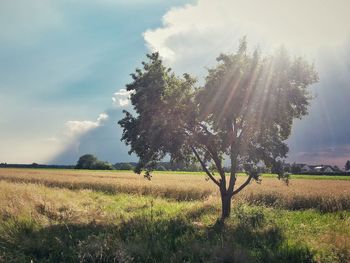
{"x":161,"y":166}
{"x":89,"y":161}
{"x":36,"y":165}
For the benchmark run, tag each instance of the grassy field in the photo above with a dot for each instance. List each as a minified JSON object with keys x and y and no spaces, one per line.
{"x":115,"y":216}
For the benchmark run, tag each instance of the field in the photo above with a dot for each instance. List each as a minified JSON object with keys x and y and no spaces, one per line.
{"x":114,"y":216}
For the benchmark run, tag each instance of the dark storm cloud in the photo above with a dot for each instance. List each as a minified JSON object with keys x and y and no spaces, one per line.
{"x":324,"y":135}
{"x":103,"y":141}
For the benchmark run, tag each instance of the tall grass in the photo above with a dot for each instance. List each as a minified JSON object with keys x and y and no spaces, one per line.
{"x":322,"y":203}
{"x":323,"y":195}
{"x":48,"y":224}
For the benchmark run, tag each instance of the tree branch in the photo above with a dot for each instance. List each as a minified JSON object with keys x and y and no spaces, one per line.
{"x":205,"y":129}
{"x":242,"y":185}
{"x":218,"y":164}
{"x":213,"y":154}
{"x":204,"y":167}
{"x":233,"y":156}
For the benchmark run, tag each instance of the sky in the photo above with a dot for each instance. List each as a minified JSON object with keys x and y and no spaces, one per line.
{"x":64,"y":65}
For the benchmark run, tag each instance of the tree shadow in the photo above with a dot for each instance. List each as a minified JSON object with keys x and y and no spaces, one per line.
{"x":145,"y":239}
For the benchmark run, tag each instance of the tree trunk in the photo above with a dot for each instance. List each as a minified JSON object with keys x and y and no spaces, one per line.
{"x":226,"y":205}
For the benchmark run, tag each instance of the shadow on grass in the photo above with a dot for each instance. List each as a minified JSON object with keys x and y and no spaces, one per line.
{"x":246,"y":238}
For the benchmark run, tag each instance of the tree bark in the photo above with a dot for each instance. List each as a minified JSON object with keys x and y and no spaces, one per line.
{"x":225,"y":205}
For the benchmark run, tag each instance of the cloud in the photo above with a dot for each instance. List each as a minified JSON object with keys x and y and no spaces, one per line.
{"x":58,"y":63}
{"x":77,"y":128}
{"x":121,"y":98}
{"x":102,"y":141}
{"x":192,"y":36}
{"x":199,"y":32}
{"x":102,"y":117}
{"x":51,"y":139}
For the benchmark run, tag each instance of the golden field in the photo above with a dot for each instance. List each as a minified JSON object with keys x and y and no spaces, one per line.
{"x":324,"y":195}
{"x":114,"y":216}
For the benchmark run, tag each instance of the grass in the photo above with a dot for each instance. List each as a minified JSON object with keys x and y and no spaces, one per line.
{"x":313,"y":177}
{"x":48,"y":218}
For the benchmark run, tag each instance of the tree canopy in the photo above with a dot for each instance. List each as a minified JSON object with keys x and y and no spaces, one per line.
{"x":243,"y":112}
{"x":89,"y":161}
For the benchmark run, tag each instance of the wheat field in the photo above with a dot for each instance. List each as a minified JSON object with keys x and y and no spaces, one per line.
{"x":116,"y":216}
{"x":324,"y":195}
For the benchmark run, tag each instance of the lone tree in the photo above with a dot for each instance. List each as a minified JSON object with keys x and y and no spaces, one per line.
{"x":244,"y":112}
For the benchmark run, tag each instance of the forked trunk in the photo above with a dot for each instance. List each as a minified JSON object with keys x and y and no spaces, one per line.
{"x":226,"y":205}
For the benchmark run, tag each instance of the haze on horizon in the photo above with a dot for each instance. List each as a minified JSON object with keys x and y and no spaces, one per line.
{"x":64,"y":66}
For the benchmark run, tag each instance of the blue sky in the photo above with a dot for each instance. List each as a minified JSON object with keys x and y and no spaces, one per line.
{"x":62,"y":62}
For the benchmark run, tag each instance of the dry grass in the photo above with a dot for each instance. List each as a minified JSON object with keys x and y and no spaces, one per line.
{"x":324,"y":195}
{"x":46,"y":205}
{"x":51,"y":205}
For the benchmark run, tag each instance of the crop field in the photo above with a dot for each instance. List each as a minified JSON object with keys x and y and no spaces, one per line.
{"x":115,"y":216}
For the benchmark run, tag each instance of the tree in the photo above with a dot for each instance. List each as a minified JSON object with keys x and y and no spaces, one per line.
{"x":347,"y":165}
{"x":244,"y":112}
{"x":86,"y":161}
{"x":101,"y":165}
{"x":89,"y":161}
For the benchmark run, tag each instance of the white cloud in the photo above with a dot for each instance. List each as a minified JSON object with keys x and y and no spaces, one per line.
{"x":199,"y":32}
{"x":102,"y":117}
{"x":78,"y":127}
{"x":75,"y":128}
{"x":121,"y":98}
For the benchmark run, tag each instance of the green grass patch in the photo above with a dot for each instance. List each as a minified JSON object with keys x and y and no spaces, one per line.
{"x":136,"y":228}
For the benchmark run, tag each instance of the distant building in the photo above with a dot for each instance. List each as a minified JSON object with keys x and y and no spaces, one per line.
{"x":306,"y":168}
{"x":320,"y":168}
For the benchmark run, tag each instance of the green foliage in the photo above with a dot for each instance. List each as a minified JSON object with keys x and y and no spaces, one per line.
{"x":89,"y":161}
{"x":86,"y":161}
{"x":123,"y":166}
{"x":163,"y":104}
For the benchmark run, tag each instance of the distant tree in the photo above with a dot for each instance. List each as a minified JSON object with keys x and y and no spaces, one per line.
{"x":295,"y":169}
{"x":89,"y":161}
{"x":347,"y":165}
{"x":244,"y":111}
{"x":124,"y":166}
{"x":101,"y":165}
{"x":86,"y":161}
